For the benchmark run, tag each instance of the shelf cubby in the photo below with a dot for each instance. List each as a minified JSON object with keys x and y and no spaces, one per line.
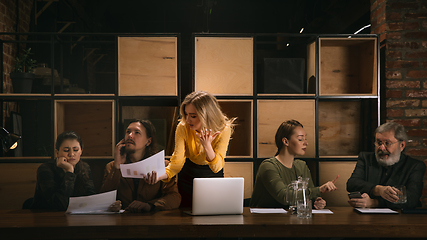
{"x":283,"y":65}
{"x":348,"y":66}
{"x":241,"y":140}
{"x":339,"y":128}
{"x":93,"y":120}
{"x":224,"y":65}
{"x":271,"y":113}
{"x":244,"y":170}
{"x":328,"y":172}
{"x":148,"y":66}
{"x":30,"y":118}
{"x":21,"y":188}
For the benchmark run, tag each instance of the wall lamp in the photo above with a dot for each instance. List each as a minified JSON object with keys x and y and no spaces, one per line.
{"x":8,"y":140}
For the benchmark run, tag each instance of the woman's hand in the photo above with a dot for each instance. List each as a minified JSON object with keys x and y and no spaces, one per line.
{"x":206,"y":137}
{"x":63,"y":163}
{"x":364,"y":202}
{"x":115,"y":207}
{"x":119,"y":157}
{"x":329,"y":186}
{"x":153,"y":179}
{"x":319,"y":203}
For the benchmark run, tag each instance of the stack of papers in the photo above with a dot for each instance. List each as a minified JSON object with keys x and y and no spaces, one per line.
{"x":281,"y":210}
{"x":142,"y":168}
{"x":268,"y":210}
{"x":375,"y":210}
{"x":93,"y":204}
{"x":322,"y":211}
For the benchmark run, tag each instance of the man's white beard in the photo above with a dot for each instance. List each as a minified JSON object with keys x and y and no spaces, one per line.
{"x":392,"y":158}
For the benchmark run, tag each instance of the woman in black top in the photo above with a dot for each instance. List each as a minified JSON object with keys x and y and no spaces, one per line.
{"x":64,"y":177}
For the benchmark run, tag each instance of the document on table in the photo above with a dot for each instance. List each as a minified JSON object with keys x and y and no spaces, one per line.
{"x":375,"y":210}
{"x":141,"y":168}
{"x":93,"y":204}
{"x":268,"y":210}
{"x":322,"y":211}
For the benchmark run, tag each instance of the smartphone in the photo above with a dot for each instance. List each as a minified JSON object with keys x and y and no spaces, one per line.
{"x":354,"y":195}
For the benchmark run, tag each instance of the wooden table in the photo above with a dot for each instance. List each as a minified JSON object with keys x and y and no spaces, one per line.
{"x":345,"y":222}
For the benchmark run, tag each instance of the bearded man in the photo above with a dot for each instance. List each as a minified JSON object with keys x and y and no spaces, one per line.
{"x":139,"y":194}
{"x":376,"y":174}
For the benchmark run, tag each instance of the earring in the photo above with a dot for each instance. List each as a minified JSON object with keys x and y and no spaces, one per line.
{"x":147,"y":144}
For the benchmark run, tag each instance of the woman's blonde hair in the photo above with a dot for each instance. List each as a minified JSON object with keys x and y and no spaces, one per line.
{"x":208,"y":110}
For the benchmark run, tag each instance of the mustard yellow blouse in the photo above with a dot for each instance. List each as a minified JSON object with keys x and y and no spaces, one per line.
{"x":187,"y":145}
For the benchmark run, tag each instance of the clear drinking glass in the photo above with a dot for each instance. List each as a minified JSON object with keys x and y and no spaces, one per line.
{"x":401,"y":193}
{"x":304,"y":209}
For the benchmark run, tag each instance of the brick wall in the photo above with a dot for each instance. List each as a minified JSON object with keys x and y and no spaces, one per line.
{"x":402,"y":25}
{"x":9,"y":23}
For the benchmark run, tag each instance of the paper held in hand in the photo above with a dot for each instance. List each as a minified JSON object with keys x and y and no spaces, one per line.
{"x":140,"y":169}
{"x":93,"y":204}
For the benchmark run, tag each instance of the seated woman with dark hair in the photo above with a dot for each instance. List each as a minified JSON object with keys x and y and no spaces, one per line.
{"x":64,"y":177}
{"x":276,"y":173}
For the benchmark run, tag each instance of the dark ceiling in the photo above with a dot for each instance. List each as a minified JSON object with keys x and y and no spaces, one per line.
{"x":196,"y":16}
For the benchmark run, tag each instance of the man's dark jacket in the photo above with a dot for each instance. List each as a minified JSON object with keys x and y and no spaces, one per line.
{"x":408,"y":171}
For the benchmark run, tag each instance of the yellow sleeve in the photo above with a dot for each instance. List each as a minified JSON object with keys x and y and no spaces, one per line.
{"x":220,"y":146}
{"x":178,"y":157}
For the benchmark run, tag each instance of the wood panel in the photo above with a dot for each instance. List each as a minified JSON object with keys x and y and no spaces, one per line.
{"x":271,"y":113}
{"x":244,"y":170}
{"x":147,"y":66}
{"x":93,"y":120}
{"x":17,"y":183}
{"x":224,"y":66}
{"x":311,"y":68}
{"x":328,"y":171}
{"x":339,"y":128}
{"x":241,"y":140}
{"x":348,"y":66}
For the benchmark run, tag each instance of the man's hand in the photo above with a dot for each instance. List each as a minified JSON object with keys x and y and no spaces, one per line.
{"x":115,"y":207}
{"x":64,"y":164}
{"x":151,"y":178}
{"x":329,"y":186}
{"x":138,"y":206}
{"x":118,"y":157}
{"x":364,"y":202}
{"x":319,"y":203}
{"x":387,"y":192}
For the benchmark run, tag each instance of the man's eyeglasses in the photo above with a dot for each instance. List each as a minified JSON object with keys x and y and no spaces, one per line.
{"x":386,"y":144}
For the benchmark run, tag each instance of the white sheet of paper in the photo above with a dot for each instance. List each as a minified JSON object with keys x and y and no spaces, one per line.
{"x":375,"y":210}
{"x":93,"y":204}
{"x":268,"y":210}
{"x":141,"y":168}
{"x":322,"y":211}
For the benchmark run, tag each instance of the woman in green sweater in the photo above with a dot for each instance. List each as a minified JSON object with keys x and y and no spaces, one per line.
{"x":276,"y":173}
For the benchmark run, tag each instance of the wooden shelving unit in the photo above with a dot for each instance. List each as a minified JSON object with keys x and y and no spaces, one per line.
{"x":327,"y":82}
{"x":93,"y":120}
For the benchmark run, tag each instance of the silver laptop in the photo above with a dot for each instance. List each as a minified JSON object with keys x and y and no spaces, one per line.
{"x":217,"y":196}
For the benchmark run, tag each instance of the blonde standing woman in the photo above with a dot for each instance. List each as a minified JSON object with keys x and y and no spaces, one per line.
{"x":201,"y":141}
